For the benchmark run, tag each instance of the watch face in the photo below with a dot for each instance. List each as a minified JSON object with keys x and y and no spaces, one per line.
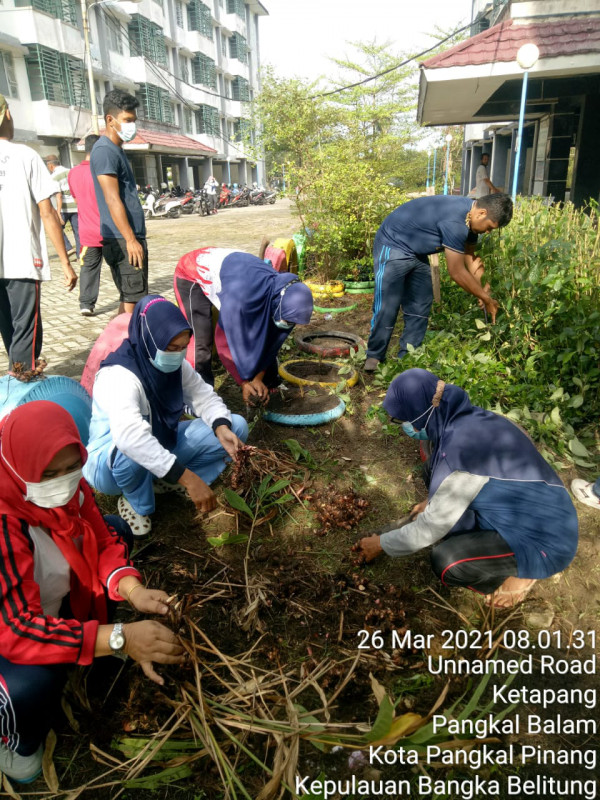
{"x":117,"y":641}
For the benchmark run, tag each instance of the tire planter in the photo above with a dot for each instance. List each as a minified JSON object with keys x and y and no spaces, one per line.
{"x":284,"y":372}
{"x":359,"y":285}
{"x":360,"y":291}
{"x":291,"y":255}
{"x":331,"y":288}
{"x":306,"y":420}
{"x":309,"y":343}
{"x":321,"y":310}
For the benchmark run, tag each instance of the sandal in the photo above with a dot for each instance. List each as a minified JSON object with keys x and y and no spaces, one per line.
{"x":140,"y":524}
{"x":516,"y":596}
{"x":582,"y":491}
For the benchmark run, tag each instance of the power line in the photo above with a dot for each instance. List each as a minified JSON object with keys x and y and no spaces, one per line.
{"x":390,"y":69}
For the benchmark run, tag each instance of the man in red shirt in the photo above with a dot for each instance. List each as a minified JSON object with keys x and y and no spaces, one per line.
{"x":81,"y":184}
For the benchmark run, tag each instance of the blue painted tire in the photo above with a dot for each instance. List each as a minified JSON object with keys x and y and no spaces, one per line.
{"x":306,"y":420}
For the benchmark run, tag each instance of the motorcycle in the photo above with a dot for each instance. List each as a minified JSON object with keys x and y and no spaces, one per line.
{"x":165,"y":206}
{"x":242,"y":199}
{"x":224,"y":197}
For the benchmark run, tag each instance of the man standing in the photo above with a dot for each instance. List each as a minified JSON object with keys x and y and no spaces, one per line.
{"x":65,"y":204}
{"x":122,"y":222}
{"x":210,"y":187}
{"x":81,"y":185}
{"x":25,"y":192}
{"x":402,"y":273}
{"x":483,"y":184}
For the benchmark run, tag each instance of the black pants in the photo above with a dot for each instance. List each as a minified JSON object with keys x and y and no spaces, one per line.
{"x":89,"y":277}
{"x":197,"y":309}
{"x":132,"y":283}
{"x":477,"y":560}
{"x":30,"y":693}
{"x":20,"y":320}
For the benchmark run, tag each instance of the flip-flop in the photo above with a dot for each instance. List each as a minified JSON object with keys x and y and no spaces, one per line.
{"x":518,"y":596}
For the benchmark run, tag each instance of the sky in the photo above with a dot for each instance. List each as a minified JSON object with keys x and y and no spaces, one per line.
{"x":299,"y":36}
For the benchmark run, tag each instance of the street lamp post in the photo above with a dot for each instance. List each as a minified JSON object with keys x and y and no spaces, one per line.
{"x":434,"y":160}
{"x":526,"y":57}
{"x":428,"y":162}
{"x":448,"y":140}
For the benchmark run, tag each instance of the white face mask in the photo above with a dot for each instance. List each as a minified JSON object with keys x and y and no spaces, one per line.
{"x":54,"y":493}
{"x":127,"y":131}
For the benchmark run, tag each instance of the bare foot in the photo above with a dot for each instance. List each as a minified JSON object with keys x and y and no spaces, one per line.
{"x":512,"y":592}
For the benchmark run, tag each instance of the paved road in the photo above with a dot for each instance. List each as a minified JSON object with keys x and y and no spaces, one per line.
{"x":68,"y":337}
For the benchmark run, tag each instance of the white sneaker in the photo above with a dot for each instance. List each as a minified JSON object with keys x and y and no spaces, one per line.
{"x":140,"y":524}
{"x":22,"y":769}
{"x":582,"y":491}
{"x":162,"y":487}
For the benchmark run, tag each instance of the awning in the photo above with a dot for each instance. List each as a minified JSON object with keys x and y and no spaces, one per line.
{"x":160,"y":142}
{"x":479,"y":80}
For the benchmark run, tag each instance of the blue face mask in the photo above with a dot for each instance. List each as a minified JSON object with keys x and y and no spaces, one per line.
{"x":168,"y":362}
{"x":409,"y":430}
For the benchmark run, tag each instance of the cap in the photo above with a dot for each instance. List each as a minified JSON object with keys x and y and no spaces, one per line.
{"x":3,"y":108}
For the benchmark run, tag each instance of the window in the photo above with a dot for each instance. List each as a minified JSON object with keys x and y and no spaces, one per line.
{"x":184,"y":71}
{"x":61,"y":9}
{"x":147,"y":40}
{"x":237,"y":7}
{"x":207,"y":120}
{"x":179,"y":13}
{"x":188,"y":120}
{"x":56,"y":77}
{"x":8,"y":80}
{"x":223,"y":44}
{"x":241,"y":130}
{"x":115,"y":38}
{"x":155,"y":103}
{"x":200,"y":18}
{"x":237,"y":48}
{"x":204,"y":71}
{"x":240,"y":89}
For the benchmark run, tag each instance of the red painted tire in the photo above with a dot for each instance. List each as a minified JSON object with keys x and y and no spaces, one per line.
{"x":309,"y":343}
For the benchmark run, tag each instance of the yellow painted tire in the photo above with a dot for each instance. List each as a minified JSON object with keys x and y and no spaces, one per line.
{"x":325,"y":295}
{"x":291,"y":254}
{"x":291,"y":378}
{"x":326,"y":288}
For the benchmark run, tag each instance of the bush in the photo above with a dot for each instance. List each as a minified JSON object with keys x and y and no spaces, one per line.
{"x":540,"y":362}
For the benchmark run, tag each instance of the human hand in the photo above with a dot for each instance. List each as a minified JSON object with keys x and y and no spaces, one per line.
{"x":491,"y":306}
{"x":69,"y":277}
{"x":63,"y":222}
{"x":200,"y":492}
{"x":135,"y":252}
{"x":229,"y":441}
{"x":368,"y":549}
{"x":148,"y":601}
{"x":149,"y":641}
{"x":255,"y":392}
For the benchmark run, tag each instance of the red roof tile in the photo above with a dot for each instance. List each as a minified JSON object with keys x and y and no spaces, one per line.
{"x":501,"y":43}
{"x":175,"y":140}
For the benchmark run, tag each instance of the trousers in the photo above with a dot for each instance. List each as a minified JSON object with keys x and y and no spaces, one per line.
{"x":21,"y":320}
{"x":30,"y":693}
{"x":197,"y":447}
{"x":400,"y":282}
{"x":477,"y":560}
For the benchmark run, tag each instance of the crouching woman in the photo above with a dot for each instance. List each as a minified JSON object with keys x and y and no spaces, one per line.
{"x":497,"y":513}
{"x":61,"y":565}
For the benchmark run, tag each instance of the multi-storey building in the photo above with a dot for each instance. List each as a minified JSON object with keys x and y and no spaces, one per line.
{"x":193,"y":65}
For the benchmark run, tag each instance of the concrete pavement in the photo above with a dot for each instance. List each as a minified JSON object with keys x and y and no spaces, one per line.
{"x":68,"y":337}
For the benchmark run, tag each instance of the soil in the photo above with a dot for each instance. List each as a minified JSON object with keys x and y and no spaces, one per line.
{"x":302,"y":400}
{"x":329,"y":341}
{"x":317,"y":371}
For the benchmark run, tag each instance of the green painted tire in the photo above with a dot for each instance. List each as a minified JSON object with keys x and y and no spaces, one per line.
{"x":321,"y":310}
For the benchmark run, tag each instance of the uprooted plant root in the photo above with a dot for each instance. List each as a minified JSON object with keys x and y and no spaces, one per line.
{"x":21,"y":373}
{"x":335,"y":510}
{"x":253,"y":464}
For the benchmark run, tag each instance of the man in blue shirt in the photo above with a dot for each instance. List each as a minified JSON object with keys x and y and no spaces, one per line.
{"x":402,"y":274}
{"x":122,"y":223}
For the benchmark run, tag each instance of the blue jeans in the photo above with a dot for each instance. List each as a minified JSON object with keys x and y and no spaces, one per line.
{"x":197,"y":447}
{"x":74,"y":220}
{"x":596,"y":487}
{"x":400,"y":281}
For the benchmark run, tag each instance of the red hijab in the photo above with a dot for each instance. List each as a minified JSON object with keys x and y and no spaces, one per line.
{"x":30,"y":437}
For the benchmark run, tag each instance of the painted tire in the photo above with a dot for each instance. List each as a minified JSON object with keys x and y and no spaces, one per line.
{"x":326,"y":295}
{"x":306,"y":420}
{"x":359,"y":285}
{"x":305,"y":343}
{"x":321,"y":310}
{"x":291,"y":378}
{"x":360,"y":291}
{"x":291,"y":254}
{"x":326,"y":288}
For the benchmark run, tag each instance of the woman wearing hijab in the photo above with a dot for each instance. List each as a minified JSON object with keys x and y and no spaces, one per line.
{"x":499,"y":513}
{"x":137,"y":442}
{"x":258,"y":308}
{"x":61,"y":563}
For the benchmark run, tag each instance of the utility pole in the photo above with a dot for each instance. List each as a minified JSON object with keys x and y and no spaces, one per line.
{"x":88,"y":55}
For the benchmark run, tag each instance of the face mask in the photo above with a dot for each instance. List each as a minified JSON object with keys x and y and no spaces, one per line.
{"x":168,"y":362}
{"x":409,"y":429}
{"x":283,"y":325}
{"x":54,"y":493}
{"x":127,"y":131}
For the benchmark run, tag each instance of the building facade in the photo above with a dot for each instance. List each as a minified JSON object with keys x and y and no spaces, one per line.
{"x":193,"y":65}
{"x":478,"y":83}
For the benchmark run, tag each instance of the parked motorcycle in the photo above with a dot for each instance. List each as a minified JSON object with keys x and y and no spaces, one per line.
{"x":164,"y":206}
{"x":224,"y":196}
{"x":242,"y":199}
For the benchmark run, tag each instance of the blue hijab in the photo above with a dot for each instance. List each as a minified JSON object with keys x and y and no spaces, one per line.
{"x":154,"y":323}
{"x":252,"y":294}
{"x":465,"y":437}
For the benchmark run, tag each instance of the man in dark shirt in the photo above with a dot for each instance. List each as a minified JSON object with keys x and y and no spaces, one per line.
{"x":402,"y":273}
{"x":122,"y":222}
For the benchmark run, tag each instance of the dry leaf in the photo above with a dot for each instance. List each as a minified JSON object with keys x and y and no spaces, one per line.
{"x":377,"y":689}
{"x":8,"y":788}
{"x":48,"y":769}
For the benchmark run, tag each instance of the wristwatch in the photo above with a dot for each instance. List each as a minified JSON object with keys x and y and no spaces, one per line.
{"x":116,"y":641}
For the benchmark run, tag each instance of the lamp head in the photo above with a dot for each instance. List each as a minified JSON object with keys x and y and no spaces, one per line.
{"x":528,"y":55}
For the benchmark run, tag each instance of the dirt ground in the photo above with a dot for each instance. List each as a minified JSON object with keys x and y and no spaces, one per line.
{"x":312,"y":598}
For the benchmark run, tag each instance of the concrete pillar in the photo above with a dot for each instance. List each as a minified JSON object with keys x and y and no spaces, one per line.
{"x":206,"y":170}
{"x":465,"y":172}
{"x":159,"y":170}
{"x":476,"y":152}
{"x":186,"y":175}
{"x":500,"y":152}
{"x":586,"y":170}
{"x":242,"y":172}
